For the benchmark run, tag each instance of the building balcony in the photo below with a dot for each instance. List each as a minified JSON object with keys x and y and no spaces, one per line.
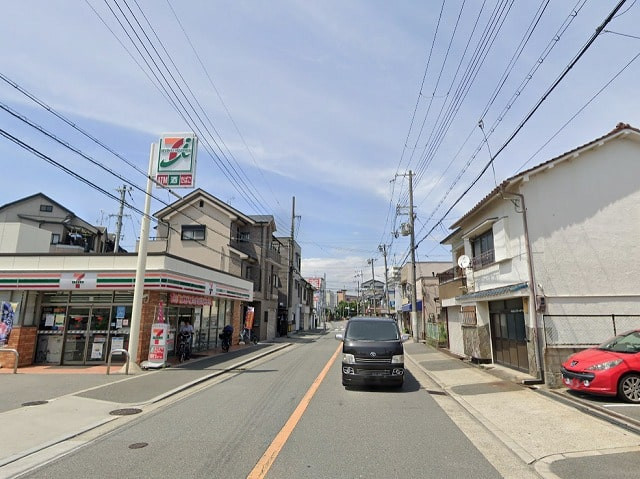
{"x":484,"y":259}
{"x":450,"y":274}
{"x":274,"y":255}
{"x":245,"y":247}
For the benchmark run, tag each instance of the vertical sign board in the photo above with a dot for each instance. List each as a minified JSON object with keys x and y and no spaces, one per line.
{"x":158,"y":343}
{"x":176,"y":167}
{"x":7,"y":318}
{"x":249,"y":317}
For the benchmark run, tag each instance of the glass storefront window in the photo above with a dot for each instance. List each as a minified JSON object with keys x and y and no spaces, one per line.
{"x":73,"y":333}
{"x":75,"y":341}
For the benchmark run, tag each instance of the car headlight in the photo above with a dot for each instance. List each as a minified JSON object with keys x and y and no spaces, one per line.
{"x":604,"y":366}
{"x":397,"y":359}
{"x":348,"y":358}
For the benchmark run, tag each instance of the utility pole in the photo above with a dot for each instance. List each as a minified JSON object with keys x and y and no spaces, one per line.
{"x":383,"y":249}
{"x":412,"y":269}
{"x":373,"y":281}
{"x":412,"y":275}
{"x":358,"y":275}
{"x":123,"y":191}
{"x":290,"y":275}
{"x":324,"y":301}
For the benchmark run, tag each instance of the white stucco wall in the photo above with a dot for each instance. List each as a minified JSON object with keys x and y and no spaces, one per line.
{"x":23,"y":238}
{"x":454,"y":317}
{"x":513,"y":268}
{"x":584,"y":225}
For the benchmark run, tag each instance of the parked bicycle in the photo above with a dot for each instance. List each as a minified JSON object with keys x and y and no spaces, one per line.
{"x":248,"y":336}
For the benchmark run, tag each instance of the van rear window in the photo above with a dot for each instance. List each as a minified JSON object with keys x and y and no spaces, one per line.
{"x":373,"y":330}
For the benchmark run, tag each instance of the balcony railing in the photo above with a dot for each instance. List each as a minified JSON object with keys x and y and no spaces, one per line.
{"x":244,"y":246}
{"x":450,"y":274}
{"x":484,"y":259}
{"x":274,"y":255}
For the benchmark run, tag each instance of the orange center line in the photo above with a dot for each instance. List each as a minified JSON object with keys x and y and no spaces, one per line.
{"x":268,"y":458}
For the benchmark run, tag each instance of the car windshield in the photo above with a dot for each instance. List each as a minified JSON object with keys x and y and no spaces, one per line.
{"x":625,"y":343}
{"x":374,"y":330}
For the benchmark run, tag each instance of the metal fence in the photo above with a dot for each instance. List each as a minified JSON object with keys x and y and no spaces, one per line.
{"x":586,"y":329}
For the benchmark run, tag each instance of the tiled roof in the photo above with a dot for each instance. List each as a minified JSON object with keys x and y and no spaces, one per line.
{"x":615,"y":132}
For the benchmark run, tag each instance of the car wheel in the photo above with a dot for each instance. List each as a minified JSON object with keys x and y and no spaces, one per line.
{"x":629,"y":388}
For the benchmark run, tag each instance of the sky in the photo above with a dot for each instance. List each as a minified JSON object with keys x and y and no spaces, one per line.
{"x":333,"y":103}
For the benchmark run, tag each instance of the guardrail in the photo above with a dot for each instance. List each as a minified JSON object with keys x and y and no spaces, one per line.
{"x":17,"y":357}
{"x":126,"y":353}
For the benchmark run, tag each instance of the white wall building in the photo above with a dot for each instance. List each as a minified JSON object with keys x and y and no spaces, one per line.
{"x":550,"y":254}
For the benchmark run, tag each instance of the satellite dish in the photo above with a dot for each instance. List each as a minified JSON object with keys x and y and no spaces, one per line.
{"x":464,"y":261}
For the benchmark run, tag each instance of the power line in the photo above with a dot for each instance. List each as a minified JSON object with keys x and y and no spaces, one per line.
{"x":531,"y":113}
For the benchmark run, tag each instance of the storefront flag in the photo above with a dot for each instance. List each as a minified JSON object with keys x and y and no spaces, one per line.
{"x":248,"y":318}
{"x":7,"y":318}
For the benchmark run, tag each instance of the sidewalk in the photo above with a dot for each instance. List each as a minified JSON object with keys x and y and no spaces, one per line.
{"x":556,"y":438}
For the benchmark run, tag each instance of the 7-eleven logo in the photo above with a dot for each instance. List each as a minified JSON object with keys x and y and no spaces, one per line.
{"x":174,"y":149}
{"x":78,"y":280}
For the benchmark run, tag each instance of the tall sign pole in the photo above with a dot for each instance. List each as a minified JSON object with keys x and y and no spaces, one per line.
{"x":138,"y":290}
{"x":176,"y":163}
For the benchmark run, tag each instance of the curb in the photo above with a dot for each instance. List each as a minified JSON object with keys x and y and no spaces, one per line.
{"x":195,"y":382}
{"x":82,"y":430}
{"x":607,"y":415}
{"x":474,"y":413}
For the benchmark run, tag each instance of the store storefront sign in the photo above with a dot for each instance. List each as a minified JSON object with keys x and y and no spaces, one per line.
{"x":189,"y":299}
{"x":158,"y":345}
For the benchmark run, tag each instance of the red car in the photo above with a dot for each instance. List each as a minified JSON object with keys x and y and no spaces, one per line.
{"x":611,"y":369}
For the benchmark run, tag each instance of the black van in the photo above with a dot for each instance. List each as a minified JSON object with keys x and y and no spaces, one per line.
{"x":372,"y":352}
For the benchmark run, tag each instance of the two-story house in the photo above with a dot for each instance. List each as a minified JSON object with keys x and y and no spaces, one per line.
{"x":205,"y":229}
{"x":38,"y":223}
{"x":542,"y":265}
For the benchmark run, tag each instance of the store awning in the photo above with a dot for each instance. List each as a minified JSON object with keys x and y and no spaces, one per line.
{"x":407,"y":307}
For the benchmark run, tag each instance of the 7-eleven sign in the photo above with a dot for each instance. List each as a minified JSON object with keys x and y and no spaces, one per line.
{"x":177,"y":160}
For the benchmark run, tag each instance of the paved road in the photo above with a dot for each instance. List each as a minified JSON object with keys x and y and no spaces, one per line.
{"x":491,"y":408}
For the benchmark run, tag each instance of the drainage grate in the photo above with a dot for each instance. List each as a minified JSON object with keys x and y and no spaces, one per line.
{"x":125,"y":412}
{"x":138,"y":445}
{"x":34,"y":403}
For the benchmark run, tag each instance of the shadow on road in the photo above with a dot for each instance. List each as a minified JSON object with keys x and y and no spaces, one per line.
{"x":411,"y":384}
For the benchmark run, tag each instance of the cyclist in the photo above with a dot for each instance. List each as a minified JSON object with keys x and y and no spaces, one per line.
{"x":225,"y":335}
{"x":186,"y":333}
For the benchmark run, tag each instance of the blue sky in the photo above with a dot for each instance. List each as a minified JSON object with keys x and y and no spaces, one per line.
{"x":326,"y":101}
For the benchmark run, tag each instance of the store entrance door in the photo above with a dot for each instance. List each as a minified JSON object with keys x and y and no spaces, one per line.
{"x":86,"y":335}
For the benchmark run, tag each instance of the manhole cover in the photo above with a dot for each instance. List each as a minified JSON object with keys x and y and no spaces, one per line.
{"x":138,"y":445}
{"x":125,"y":412}
{"x":34,"y":403}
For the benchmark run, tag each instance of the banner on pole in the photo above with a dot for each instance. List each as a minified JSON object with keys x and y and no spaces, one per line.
{"x":248,"y":318}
